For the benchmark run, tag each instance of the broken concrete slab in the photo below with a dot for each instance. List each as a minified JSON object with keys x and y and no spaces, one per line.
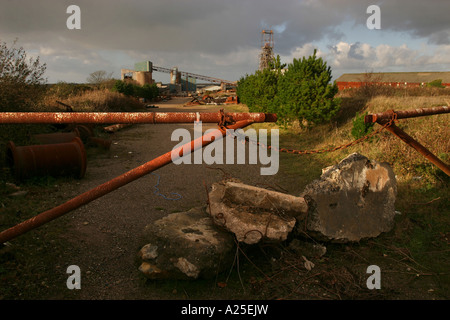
{"x":185,"y":245}
{"x":243,"y":194}
{"x":254,"y":214}
{"x":352,"y":200}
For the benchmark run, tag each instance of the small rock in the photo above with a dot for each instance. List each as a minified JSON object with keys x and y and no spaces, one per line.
{"x":308,"y":264}
{"x":187,"y":268}
{"x":149,"y":251}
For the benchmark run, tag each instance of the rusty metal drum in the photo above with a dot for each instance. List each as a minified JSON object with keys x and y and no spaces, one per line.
{"x":59,"y":159}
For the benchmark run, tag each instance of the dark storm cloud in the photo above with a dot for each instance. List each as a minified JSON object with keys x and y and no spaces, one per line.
{"x":214,"y":26}
{"x":200,"y":25}
{"x":205,"y":30}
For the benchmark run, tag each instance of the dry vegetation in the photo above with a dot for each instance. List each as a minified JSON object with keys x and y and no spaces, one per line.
{"x":102,"y":100}
{"x":432,"y":132}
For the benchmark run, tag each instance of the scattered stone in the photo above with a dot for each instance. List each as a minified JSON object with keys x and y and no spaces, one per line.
{"x":308,"y":264}
{"x":352,"y":200}
{"x":148,"y":252}
{"x":254,"y":214}
{"x":185,"y":245}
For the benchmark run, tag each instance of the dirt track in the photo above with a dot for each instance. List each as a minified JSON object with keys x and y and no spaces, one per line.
{"x":105,"y":233}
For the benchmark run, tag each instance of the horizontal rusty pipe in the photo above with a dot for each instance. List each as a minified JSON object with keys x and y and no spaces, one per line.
{"x":114,"y":184}
{"x":130,"y":117}
{"x":413,"y":113}
{"x":416,"y":145}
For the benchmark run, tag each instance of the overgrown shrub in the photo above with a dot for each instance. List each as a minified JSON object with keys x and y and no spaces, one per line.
{"x":306,"y":93}
{"x":104,"y":101}
{"x":21,"y":79}
{"x":124,"y":87}
{"x":64,"y":90}
{"x":435,"y":84}
{"x":147,"y":91}
{"x":360,"y":128}
{"x":303,"y":93}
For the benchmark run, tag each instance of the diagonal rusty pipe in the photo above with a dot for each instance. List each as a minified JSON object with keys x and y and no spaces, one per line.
{"x":115,"y":183}
{"x":130,"y":117}
{"x":418,"y":147}
{"x":384,"y":117}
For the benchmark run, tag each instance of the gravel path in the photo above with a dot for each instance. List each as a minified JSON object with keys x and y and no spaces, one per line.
{"x":105,"y":233}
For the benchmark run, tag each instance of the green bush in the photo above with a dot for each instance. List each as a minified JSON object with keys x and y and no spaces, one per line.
{"x":435,"y":84}
{"x":360,"y":128}
{"x":147,"y":91}
{"x":303,"y":92}
{"x":123,"y":87}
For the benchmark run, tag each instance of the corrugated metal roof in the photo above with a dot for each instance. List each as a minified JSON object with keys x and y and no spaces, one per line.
{"x":410,"y":77}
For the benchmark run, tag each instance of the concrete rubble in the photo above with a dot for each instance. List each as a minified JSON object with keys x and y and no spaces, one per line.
{"x":185,"y":245}
{"x":253,"y":214}
{"x":352,"y":201}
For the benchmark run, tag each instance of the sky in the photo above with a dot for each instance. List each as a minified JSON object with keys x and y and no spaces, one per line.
{"x":222,"y":38}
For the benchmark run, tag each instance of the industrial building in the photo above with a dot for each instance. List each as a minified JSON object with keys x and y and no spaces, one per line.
{"x":392,"y":79}
{"x":142,"y":73}
{"x":180,"y":81}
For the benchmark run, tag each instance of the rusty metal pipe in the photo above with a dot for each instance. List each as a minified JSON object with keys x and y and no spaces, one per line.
{"x":113,"y":184}
{"x":413,"y":113}
{"x":129,"y":117}
{"x":416,"y":145}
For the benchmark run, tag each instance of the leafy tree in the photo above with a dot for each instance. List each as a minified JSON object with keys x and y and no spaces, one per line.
{"x":259,"y":91}
{"x":99,"y":77}
{"x":21,"y":79}
{"x":149,"y":91}
{"x":302,"y":92}
{"x":123,"y":87}
{"x":305,"y":92}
